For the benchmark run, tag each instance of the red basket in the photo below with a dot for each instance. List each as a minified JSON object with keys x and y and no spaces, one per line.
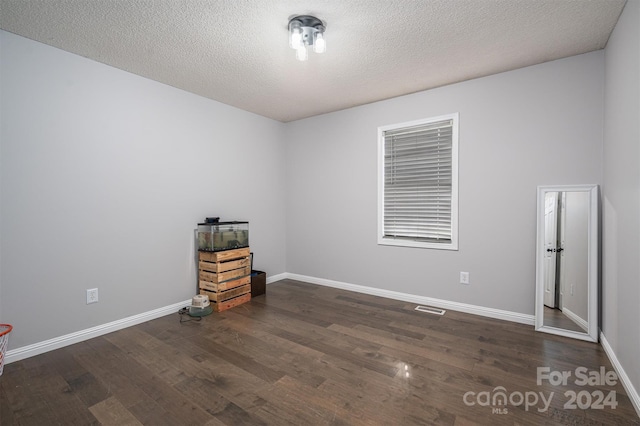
{"x":5,"y":329}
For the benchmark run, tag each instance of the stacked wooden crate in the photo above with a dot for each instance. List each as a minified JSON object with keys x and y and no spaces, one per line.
{"x":225,"y":276}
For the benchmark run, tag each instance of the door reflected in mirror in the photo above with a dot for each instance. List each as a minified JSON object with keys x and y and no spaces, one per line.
{"x":567,"y":261}
{"x":565,"y":266}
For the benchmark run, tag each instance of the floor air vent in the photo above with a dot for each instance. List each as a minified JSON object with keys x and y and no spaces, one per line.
{"x":430,"y":310}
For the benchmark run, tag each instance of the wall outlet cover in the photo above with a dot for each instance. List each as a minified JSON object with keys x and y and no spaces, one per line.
{"x":92,"y":295}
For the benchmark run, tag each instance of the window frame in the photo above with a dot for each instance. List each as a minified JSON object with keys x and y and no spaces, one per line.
{"x":403,"y":242}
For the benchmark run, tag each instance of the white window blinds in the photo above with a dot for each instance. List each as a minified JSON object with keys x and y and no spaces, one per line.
{"x":418,"y":182}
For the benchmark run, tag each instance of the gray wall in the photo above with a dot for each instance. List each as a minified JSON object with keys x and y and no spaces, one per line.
{"x":621,"y":192}
{"x":104,"y":176}
{"x":519,"y":129}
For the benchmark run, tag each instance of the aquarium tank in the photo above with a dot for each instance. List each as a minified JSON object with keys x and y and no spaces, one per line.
{"x":220,"y":236}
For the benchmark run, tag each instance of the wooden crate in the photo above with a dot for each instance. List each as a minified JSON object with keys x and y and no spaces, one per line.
{"x":212,"y":277}
{"x":229,"y":265}
{"x":231,"y":303}
{"x":222,"y":296}
{"x":222,"y":256}
{"x":225,"y":276}
{"x":227,"y":285}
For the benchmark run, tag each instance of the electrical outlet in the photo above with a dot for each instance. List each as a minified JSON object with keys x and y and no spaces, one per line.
{"x":464,"y":278}
{"x":92,"y":295}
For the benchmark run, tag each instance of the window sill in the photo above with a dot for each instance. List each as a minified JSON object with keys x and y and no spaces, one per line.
{"x":417,"y":244}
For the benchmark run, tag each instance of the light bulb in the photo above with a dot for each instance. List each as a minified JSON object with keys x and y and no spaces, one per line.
{"x":295,"y":35}
{"x":319,"y":45}
{"x":301,"y":53}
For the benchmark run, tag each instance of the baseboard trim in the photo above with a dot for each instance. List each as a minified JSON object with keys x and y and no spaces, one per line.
{"x":277,"y":277}
{"x":622,"y":375}
{"x":420,"y":300}
{"x":89,"y":333}
{"x":575,"y":318}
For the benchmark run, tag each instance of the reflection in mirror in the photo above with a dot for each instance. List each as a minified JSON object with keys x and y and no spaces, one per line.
{"x":567,"y":277}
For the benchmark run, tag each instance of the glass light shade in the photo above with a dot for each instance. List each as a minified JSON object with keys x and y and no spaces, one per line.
{"x":295,"y":35}
{"x":319,"y":44}
{"x":301,"y":53}
{"x":305,"y":32}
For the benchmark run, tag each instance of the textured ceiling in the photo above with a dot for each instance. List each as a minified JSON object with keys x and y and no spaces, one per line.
{"x":236,"y":51}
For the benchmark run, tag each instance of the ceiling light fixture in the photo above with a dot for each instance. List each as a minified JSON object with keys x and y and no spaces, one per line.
{"x":306,"y":31}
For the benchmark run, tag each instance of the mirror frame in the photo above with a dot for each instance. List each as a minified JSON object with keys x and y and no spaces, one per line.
{"x":592,"y":253}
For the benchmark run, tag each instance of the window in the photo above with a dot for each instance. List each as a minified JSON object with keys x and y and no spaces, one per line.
{"x":418,"y":183}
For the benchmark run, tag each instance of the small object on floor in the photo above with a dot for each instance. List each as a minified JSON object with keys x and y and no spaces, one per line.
{"x":200,"y":307}
{"x":258,"y":283}
{"x":184,"y":315}
{"x":190,"y":313}
{"x":5,"y":329}
{"x":200,"y":301}
{"x":200,"y":312}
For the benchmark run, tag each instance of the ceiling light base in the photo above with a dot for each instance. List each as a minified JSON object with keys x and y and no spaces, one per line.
{"x":306,"y":30}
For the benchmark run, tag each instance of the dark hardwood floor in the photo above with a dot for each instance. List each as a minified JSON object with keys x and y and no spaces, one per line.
{"x":312,"y":355}
{"x":555,"y":318}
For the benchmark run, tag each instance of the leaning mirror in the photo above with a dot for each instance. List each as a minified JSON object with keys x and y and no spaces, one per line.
{"x":567,"y":261}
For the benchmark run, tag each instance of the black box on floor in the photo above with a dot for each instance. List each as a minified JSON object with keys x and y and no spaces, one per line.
{"x":258,"y":283}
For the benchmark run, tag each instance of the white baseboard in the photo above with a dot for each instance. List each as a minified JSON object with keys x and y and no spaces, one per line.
{"x":622,"y":375}
{"x":276,"y":278}
{"x":575,"y":318}
{"x":82,"y":335}
{"x":420,"y":300}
